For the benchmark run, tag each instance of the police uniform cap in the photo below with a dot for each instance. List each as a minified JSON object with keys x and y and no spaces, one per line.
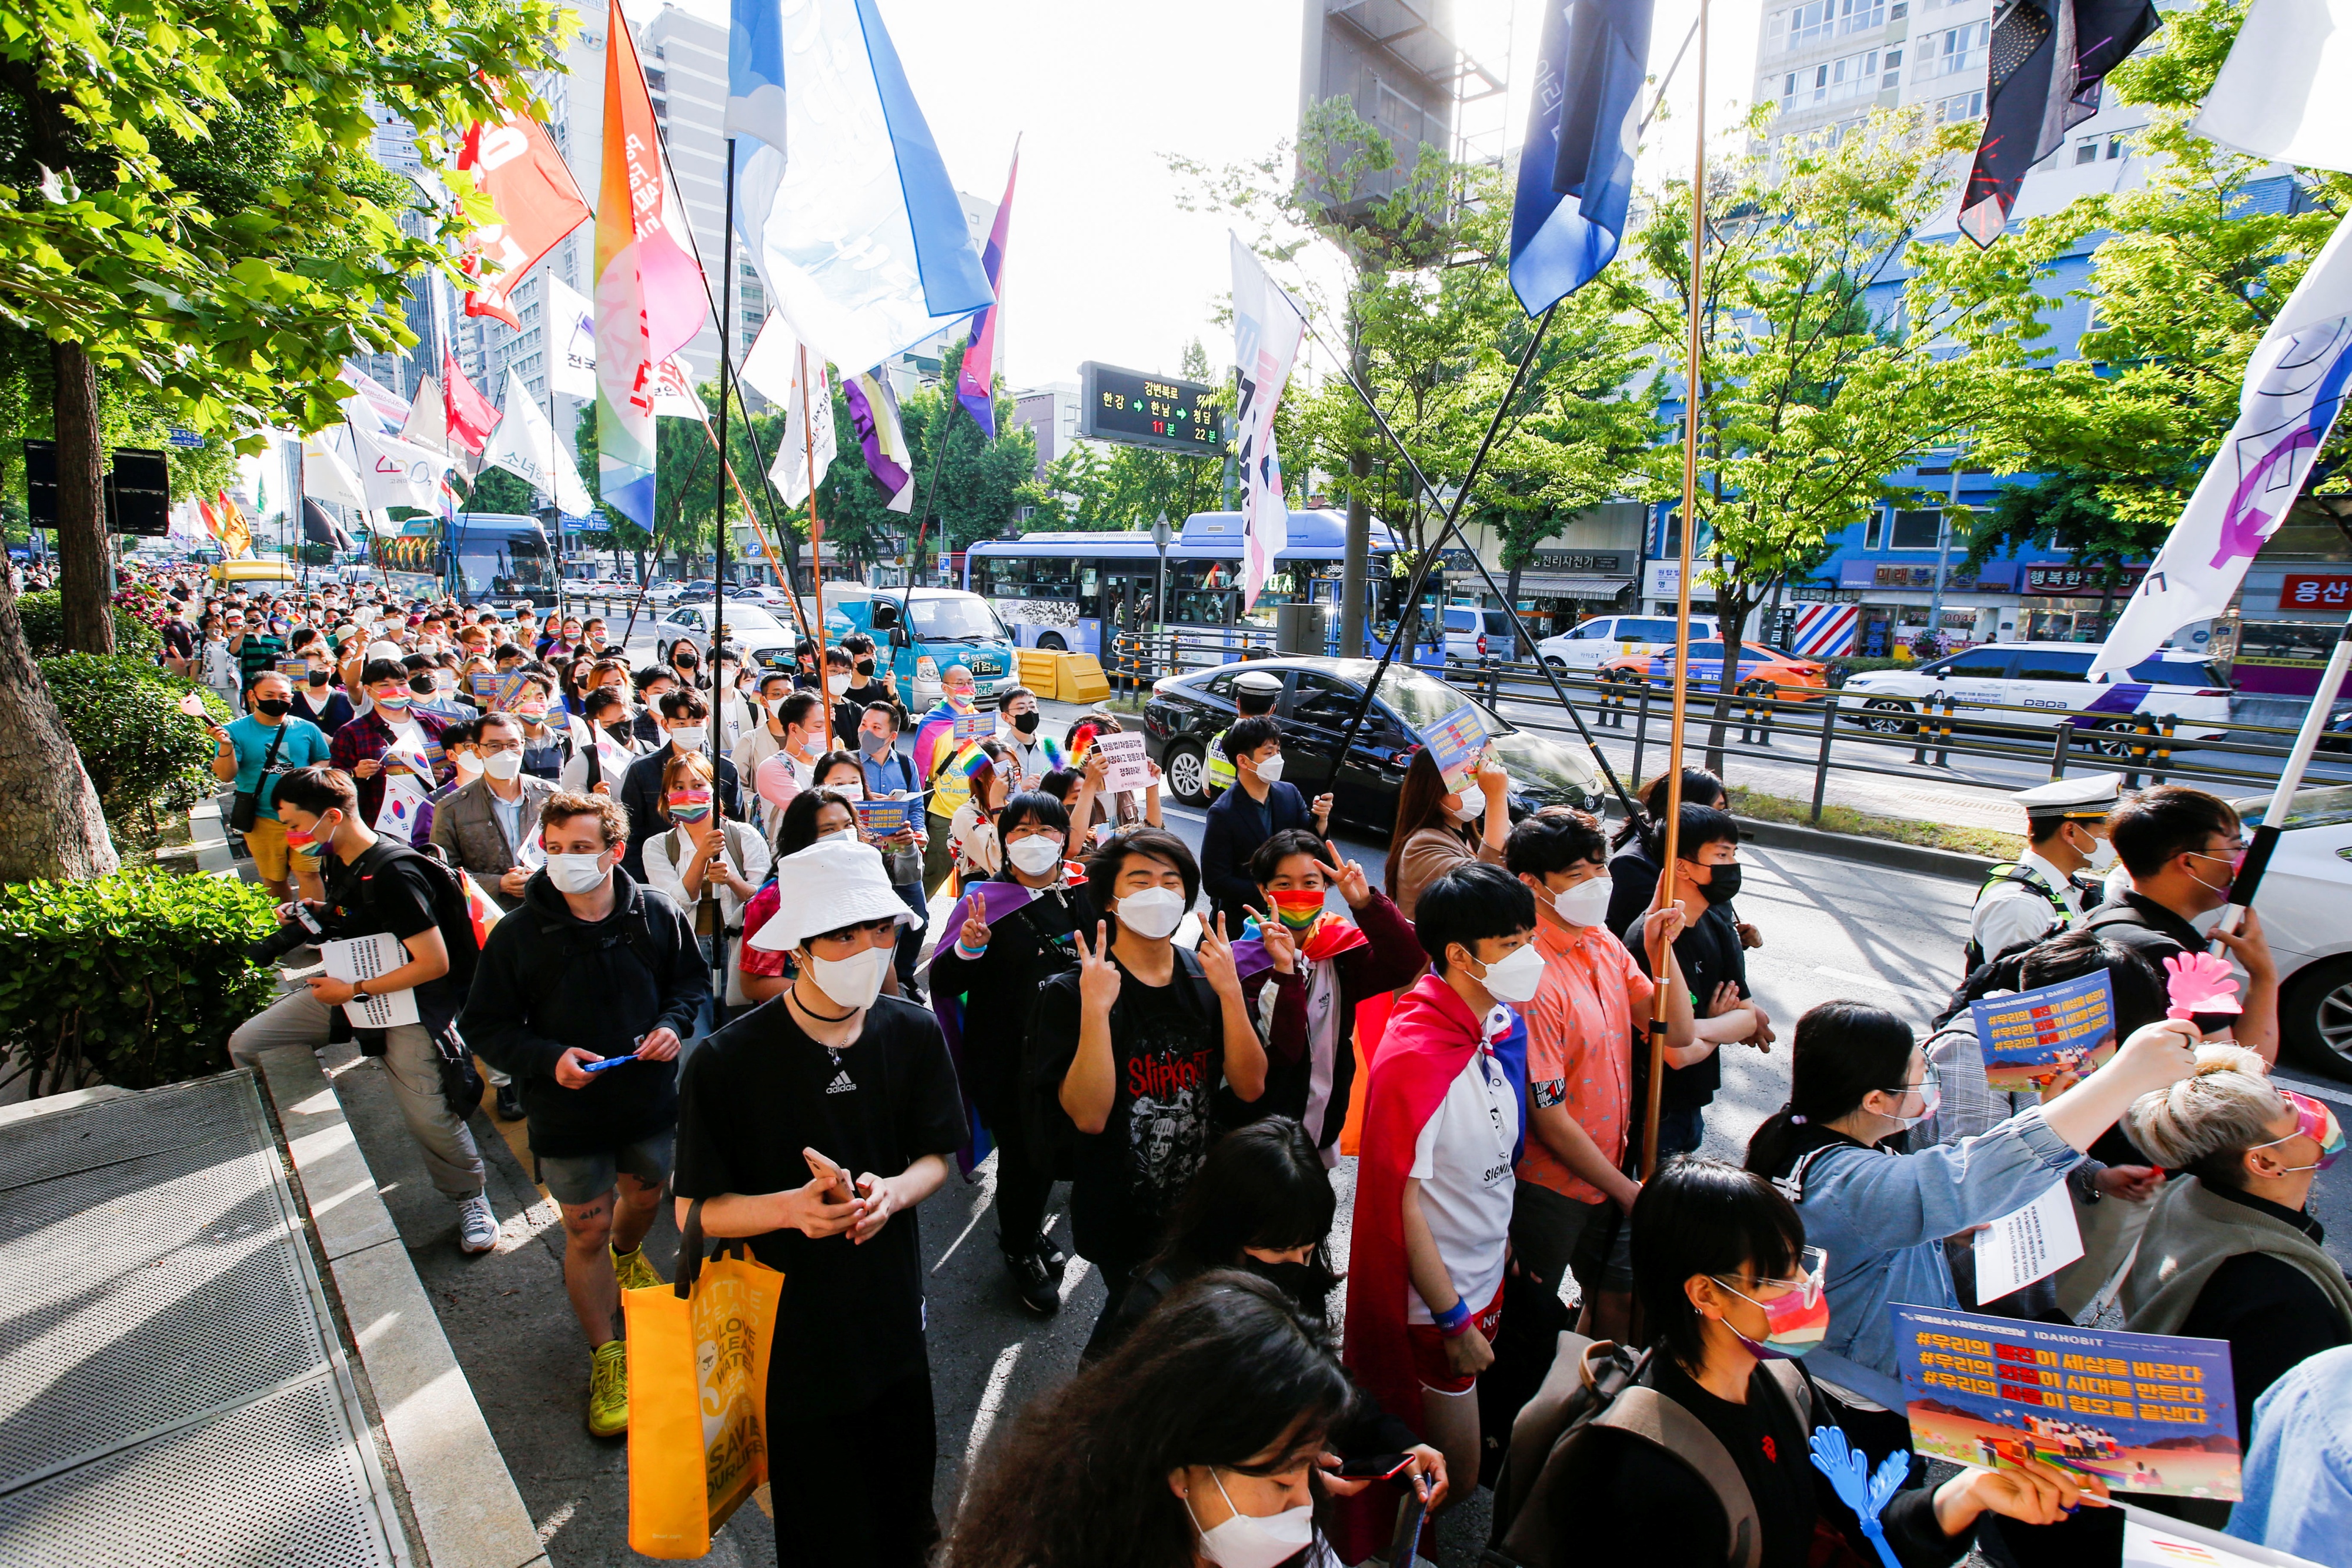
{"x":2092,"y":795}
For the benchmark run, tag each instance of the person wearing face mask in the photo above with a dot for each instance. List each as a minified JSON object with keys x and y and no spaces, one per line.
{"x":259,"y":642}
{"x":734,"y":703}
{"x":594,"y":966}
{"x":685,"y":722}
{"x":686,"y":664}
{"x":546,"y":740}
{"x":391,"y":719}
{"x":1436,"y":832}
{"x":814,"y":815}
{"x":1734,"y":1299}
{"x":838,"y":681}
{"x":1034,"y":754}
{"x":764,"y":738}
{"x":813,"y":1128}
{"x":254,"y":754}
{"x":1441,"y":1128}
{"x":1260,"y":806}
{"x":2045,"y":888}
{"x":1856,"y":1079}
{"x":710,"y":866}
{"x":317,"y":699}
{"x":797,"y":723}
{"x":872,"y":685}
{"x":601,"y":759}
{"x":653,"y":682}
{"x":218,"y":665}
{"x":1306,"y":969}
{"x":2181,"y":848}
{"x":488,"y":824}
{"x":1139,"y":1038}
{"x":972,"y":832}
{"x":902,"y":857}
{"x":1713,"y":963}
{"x":934,"y":745}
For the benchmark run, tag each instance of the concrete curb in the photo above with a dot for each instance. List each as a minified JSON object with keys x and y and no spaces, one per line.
{"x":468,"y":1509}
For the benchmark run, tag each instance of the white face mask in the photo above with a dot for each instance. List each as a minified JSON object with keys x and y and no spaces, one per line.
{"x":847,"y":835}
{"x":468,"y":766}
{"x":1586,"y":904}
{"x":1153,"y":914}
{"x":576,"y":874}
{"x":853,"y":982}
{"x":1036,"y":855}
{"x":2102,"y":855}
{"x":1469,"y":809}
{"x":1270,"y":770}
{"x":689,"y":737}
{"x":503,"y":766}
{"x":837,"y":684}
{"x":1246,"y":1541}
{"x":1514,"y":979}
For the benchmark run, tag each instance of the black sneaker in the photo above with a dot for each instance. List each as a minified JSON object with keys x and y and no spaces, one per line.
{"x":1051,"y":1257}
{"x":508,"y":1102}
{"x":1032,"y":1283}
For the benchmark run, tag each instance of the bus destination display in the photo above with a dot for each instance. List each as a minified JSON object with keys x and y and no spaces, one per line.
{"x":1149,"y":410}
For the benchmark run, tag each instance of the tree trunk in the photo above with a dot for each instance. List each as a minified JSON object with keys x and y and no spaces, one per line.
{"x":82,"y":504}
{"x":1731,"y":626}
{"x":50,"y":825}
{"x":1511,"y":603}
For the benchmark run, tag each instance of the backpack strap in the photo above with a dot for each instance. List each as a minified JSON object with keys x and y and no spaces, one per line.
{"x":1649,"y":1415}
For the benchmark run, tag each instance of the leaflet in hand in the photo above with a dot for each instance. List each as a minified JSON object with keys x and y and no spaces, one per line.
{"x":2032,"y":1244}
{"x":880,"y":819}
{"x":2151,"y":1415}
{"x":1128,"y":768}
{"x":498,"y":693}
{"x":2152,"y":1540}
{"x":360,"y":959}
{"x":973,"y":727}
{"x":1455,"y":743}
{"x":2031,"y":1037}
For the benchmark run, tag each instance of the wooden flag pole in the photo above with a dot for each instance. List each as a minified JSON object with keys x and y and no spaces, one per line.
{"x":1660,"y":949}
{"x":816,"y":541}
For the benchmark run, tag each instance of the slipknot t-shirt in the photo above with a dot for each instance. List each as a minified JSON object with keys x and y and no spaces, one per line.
{"x":1169,"y":1051}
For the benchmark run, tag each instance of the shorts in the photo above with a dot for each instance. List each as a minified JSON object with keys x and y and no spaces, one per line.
{"x":273,"y":857}
{"x":1553,"y":1236}
{"x":583,"y":1178}
{"x":1426,"y":1342}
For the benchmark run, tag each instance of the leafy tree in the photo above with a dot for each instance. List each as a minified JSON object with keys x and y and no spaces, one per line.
{"x":496,"y":490}
{"x":2069,"y":510}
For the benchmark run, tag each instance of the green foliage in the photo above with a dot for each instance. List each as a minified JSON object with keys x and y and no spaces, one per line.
{"x":2070,"y":510}
{"x":42,"y":614}
{"x":136,"y":978}
{"x":496,"y":490}
{"x":142,"y":753}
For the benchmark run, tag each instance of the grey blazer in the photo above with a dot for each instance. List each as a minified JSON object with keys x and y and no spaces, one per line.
{"x":468,"y":830}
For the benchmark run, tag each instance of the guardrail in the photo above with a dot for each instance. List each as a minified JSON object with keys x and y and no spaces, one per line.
{"x":1825,"y":729}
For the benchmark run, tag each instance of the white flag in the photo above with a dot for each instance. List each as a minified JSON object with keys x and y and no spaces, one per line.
{"x":372,"y":403}
{"x":1268,"y":325}
{"x":674,"y":392}
{"x":2280,"y":94}
{"x":2294,"y":385}
{"x":571,"y":327}
{"x":767,"y":367}
{"x":790,"y":472}
{"x":524,"y":444}
{"x":391,"y":471}
{"x":327,"y":470}
{"x":428,"y":423}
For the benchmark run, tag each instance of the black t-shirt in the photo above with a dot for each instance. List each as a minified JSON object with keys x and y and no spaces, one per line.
{"x":389,"y":888}
{"x":753,"y":1096}
{"x":1710,"y":953}
{"x":1169,"y":1045}
{"x":1026,"y":949}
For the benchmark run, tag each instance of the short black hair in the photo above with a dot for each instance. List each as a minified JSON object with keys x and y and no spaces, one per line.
{"x":888,"y":710}
{"x":413,"y":663}
{"x":2140,"y":995}
{"x":1266,"y":863}
{"x":495,"y":716}
{"x":1060,"y":782}
{"x":464,"y":732}
{"x":1004,"y":698}
{"x":508,"y":651}
{"x":1472,"y":902}
{"x":1553,"y":839}
{"x":383,"y":670}
{"x":684,"y":703}
{"x":796,"y":708}
{"x":2157,"y":824}
{"x":1705,"y":1217}
{"x":1034,"y":807}
{"x":599,"y":698}
{"x":1103,"y":867}
{"x":1246,"y":735}
{"x":319,"y":790}
{"x":651,"y":674}
{"x":1699,"y":826}
{"x":772,"y":673}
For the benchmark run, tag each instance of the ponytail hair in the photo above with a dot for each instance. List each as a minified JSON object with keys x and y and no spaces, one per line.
{"x":1842,"y":1052}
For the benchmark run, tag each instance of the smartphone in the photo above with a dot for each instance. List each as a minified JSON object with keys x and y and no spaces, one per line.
{"x":1376,"y":1467}
{"x":839,"y":1173}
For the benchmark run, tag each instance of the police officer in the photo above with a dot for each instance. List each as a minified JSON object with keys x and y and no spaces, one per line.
{"x":1253,"y":693}
{"x":2046,"y":889}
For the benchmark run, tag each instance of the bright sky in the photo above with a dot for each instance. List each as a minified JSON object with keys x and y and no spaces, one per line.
{"x":1102,"y":263}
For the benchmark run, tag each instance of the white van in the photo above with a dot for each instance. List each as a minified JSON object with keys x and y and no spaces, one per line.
{"x":1594,"y":642}
{"x":1474,"y":633}
{"x":2053,"y":679}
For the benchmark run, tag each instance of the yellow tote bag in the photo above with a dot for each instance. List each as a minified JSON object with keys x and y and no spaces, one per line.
{"x":698,"y":1394}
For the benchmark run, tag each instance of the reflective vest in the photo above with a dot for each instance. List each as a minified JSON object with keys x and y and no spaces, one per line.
{"x":1217,"y":768}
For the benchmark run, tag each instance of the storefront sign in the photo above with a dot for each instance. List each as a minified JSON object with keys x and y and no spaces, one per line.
{"x":2079,"y":581}
{"x":2314,"y":590}
{"x":1662,"y":579}
{"x":1993,"y":576}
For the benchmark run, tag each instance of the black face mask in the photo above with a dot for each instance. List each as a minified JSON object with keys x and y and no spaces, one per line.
{"x":618,"y":731}
{"x":1304,"y":1283}
{"x":1724,"y":886}
{"x":422,"y":685}
{"x":276,"y":707}
{"x":318,"y":678}
{"x":1025,"y":723}
{"x":864,"y":667}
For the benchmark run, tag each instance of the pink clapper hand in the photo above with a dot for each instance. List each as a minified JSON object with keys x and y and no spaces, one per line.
{"x":2199,"y":983}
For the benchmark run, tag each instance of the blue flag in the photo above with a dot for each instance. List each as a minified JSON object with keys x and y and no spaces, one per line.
{"x":1576,"y":171}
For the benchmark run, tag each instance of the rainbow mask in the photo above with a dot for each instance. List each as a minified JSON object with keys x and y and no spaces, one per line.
{"x":1299,"y":909}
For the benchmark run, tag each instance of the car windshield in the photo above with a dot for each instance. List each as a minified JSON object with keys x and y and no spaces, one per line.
{"x":751,"y":621}
{"x":965,"y":618}
{"x":1417,"y":700}
{"x":2322,"y":806}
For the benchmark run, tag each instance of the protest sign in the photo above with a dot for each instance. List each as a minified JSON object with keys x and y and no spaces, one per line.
{"x":359,"y":960}
{"x":880,"y":819}
{"x":2152,"y":1540}
{"x":1127,"y":767}
{"x":295,"y":670}
{"x":2151,"y":1415}
{"x":2030,"y":1244}
{"x":1455,"y":743}
{"x":974,"y":726}
{"x":497,"y":694}
{"x":2031,"y":1037}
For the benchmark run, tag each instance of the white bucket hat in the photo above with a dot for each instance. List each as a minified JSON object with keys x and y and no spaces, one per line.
{"x":832,"y":883}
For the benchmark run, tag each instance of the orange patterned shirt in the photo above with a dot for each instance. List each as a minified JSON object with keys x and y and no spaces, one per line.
{"x":1580,"y":1046}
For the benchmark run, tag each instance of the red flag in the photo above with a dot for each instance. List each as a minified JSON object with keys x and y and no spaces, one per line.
{"x":471,"y":417}
{"x":515,"y":162}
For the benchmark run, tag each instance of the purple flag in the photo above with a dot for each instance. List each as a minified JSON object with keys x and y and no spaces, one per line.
{"x":977,"y":377}
{"x":873,"y":411}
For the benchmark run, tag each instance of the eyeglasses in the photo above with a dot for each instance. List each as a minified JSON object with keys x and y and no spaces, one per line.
{"x":515,"y":746}
{"x":1813,"y":1277}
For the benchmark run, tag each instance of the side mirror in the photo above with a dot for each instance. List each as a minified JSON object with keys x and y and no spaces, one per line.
{"x":898,"y":637}
{"x":885,"y":615}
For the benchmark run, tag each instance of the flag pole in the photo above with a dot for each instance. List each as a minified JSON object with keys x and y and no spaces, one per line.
{"x":554,"y":456}
{"x":816,"y":541}
{"x":1660,"y":951}
{"x":719,"y":491}
{"x":2266,"y":836}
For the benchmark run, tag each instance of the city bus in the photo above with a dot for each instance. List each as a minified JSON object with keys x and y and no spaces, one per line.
{"x":1067,"y":591}
{"x":473,"y":557}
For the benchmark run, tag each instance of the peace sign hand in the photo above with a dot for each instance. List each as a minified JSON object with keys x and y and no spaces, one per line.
{"x":973,"y":937}
{"x":1216,"y":956}
{"x":1280,"y":945}
{"x":1346,"y":876}
{"x":1098,"y":976}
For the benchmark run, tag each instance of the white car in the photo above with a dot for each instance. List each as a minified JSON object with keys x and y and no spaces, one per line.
{"x":749,"y":627}
{"x":2305,"y":903}
{"x":1593,"y":643}
{"x":2050,"y":684}
{"x":1474,"y":633}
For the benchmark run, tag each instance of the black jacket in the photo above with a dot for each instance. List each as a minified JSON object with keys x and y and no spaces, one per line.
{"x":548,"y":980}
{"x":1237,"y":825}
{"x":641,"y":790}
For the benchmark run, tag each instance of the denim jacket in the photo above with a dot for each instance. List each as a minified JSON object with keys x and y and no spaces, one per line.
{"x":1882,"y":1216}
{"x":2299,"y":1463}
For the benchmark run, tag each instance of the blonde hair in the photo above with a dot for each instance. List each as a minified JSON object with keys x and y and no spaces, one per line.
{"x":2206,"y":1121}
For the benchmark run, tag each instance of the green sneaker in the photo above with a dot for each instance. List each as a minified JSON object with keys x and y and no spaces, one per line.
{"x":608,"y":1389}
{"x":633,"y":1271}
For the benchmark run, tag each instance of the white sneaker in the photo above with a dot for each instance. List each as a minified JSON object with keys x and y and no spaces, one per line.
{"x":477,"y":1227}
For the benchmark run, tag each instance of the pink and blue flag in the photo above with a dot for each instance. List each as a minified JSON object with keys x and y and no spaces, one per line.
{"x":977,"y":378}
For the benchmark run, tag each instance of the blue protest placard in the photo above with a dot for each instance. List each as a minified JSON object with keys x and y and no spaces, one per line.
{"x":880,"y":819}
{"x":1455,"y":743}
{"x":2030,"y":1037}
{"x":974,"y":726}
{"x":2151,"y":1415}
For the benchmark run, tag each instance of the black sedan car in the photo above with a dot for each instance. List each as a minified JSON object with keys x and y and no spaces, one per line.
{"x":1319,"y":697}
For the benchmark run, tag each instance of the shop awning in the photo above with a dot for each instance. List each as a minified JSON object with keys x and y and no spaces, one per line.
{"x":1550,"y":585}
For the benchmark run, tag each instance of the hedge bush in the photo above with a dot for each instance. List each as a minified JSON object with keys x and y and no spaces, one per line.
{"x":43,"y":615}
{"x":137,"y":977}
{"x":142,"y":753}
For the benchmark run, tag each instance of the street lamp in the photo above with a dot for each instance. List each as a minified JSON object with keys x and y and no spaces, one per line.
{"x":1161,"y":536}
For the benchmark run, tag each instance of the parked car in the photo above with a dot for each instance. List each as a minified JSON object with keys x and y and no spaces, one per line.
{"x":2302,"y":901}
{"x":2052,"y":682}
{"x":1474,"y":633}
{"x":753,"y":628}
{"x":1591,"y":643}
{"x":1319,"y":695}
{"x":1762,"y":670}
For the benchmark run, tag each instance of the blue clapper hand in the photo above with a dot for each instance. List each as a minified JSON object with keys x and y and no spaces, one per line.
{"x":1848,"y":1468}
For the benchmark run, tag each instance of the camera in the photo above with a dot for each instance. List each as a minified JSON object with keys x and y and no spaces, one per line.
{"x":300,"y":928}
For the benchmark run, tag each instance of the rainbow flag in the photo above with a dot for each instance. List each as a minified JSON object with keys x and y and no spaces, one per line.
{"x":650,"y":299}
